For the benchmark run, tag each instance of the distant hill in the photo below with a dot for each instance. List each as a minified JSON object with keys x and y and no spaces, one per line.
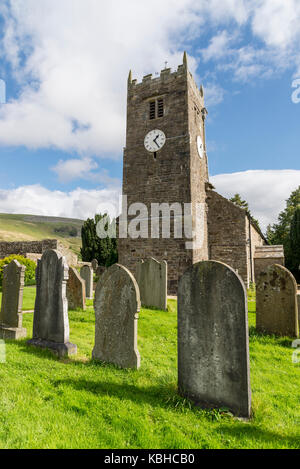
{"x":35,"y":227}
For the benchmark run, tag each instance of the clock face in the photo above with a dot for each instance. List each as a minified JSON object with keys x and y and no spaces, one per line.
{"x":154,"y":140}
{"x":200,"y":146}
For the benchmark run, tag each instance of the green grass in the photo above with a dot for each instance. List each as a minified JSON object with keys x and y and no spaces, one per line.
{"x":76,"y":403}
{"x":31,"y":228}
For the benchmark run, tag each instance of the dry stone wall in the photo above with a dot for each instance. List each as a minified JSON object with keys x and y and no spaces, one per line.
{"x":34,"y":249}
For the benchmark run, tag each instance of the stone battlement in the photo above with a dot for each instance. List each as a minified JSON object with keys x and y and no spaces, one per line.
{"x":166,"y":75}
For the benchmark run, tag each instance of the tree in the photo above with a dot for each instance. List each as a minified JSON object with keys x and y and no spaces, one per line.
{"x":280,"y":232}
{"x":93,"y":247}
{"x":237,"y":200}
{"x":295,"y":242}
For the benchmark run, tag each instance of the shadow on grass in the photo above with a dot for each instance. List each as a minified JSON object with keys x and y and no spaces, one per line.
{"x":43,"y":353}
{"x":285,"y":342}
{"x":164,"y":396}
{"x":264,"y":438}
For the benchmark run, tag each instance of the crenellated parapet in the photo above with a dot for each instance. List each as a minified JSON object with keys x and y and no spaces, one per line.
{"x":166,"y":77}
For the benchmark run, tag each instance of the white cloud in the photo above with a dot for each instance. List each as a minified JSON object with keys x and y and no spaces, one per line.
{"x":219,"y":46}
{"x":265,"y":190}
{"x":74,"y":169}
{"x":78,"y":59}
{"x":80,"y":203}
{"x":277,"y":22}
{"x":72,"y":57}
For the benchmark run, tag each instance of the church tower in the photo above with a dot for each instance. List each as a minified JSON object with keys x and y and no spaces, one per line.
{"x":165,"y":162}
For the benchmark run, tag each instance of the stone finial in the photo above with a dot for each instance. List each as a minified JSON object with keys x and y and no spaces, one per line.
{"x":185,"y":61}
{"x":130,"y":78}
{"x":202,"y":91}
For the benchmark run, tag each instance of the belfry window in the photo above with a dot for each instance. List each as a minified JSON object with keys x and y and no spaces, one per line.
{"x":152,"y":110}
{"x":156,"y":109}
{"x":160,"y":108}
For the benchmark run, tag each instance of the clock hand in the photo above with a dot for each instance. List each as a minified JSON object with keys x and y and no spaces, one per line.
{"x":156,"y":141}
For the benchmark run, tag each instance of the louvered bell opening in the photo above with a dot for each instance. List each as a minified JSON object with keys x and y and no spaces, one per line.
{"x":160,"y":108}
{"x":152,"y":110}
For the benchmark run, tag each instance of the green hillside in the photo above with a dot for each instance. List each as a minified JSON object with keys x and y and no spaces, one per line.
{"x":32,"y":227}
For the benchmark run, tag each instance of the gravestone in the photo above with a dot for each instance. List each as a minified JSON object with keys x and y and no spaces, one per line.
{"x":87,"y":273}
{"x":276,"y":302}
{"x":213,"y":344}
{"x":75,"y":290}
{"x":94,"y":264}
{"x":12,"y":301}
{"x":152,"y":277}
{"x":100,"y":270}
{"x":51,"y":322}
{"x":117,"y":306}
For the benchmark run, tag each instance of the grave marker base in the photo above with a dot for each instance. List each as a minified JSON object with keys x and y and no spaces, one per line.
{"x":60,"y":350}
{"x":12,"y":333}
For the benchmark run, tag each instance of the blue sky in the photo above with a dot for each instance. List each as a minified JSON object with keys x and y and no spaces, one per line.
{"x":65,"y":64}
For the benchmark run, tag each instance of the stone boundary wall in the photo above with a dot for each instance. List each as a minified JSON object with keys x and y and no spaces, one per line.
{"x":23,"y":247}
{"x":34,"y":249}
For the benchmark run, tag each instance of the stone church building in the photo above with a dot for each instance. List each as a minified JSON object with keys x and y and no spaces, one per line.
{"x":165,"y":162}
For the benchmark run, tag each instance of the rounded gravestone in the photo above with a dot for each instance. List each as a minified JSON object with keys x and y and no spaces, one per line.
{"x":117,"y":306}
{"x":213,"y":344}
{"x":152,"y":279}
{"x":100,"y":270}
{"x":276,"y":302}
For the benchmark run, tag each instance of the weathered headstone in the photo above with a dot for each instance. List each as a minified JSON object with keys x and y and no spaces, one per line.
{"x":94,"y":264}
{"x":87,"y":274}
{"x":276,"y":302}
{"x":213,"y":344}
{"x":75,"y":290}
{"x":12,"y":301}
{"x":117,"y":306}
{"x":152,"y":278}
{"x":100,"y":270}
{"x":51,"y":322}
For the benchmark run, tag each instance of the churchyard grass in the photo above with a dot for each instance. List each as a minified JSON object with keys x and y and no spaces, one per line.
{"x":28,"y":298}
{"x":76,"y":403}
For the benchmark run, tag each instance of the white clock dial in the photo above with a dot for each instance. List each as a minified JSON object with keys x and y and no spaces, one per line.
{"x":200,"y":146}
{"x":154,"y":140}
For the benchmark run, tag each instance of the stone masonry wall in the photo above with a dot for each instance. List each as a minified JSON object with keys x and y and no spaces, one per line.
{"x":232,"y":237}
{"x":176,"y":175}
{"x":34,"y":249}
{"x":227,"y":233}
{"x":23,"y":247}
